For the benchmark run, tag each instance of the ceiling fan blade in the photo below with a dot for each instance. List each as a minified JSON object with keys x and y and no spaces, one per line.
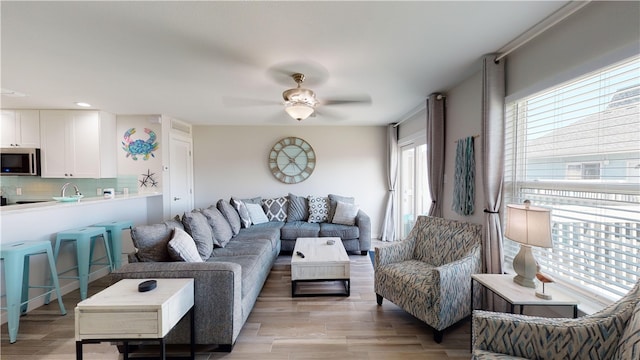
{"x":328,"y":114}
{"x":230,"y":101}
{"x":348,"y":100}
{"x":314,"y":73}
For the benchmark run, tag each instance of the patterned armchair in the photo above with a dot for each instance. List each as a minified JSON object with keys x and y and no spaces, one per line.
{"x":429,"y":273}
{"x":610,"y":334}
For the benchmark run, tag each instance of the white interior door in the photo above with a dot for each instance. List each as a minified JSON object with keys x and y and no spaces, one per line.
{"x":181,"y":175}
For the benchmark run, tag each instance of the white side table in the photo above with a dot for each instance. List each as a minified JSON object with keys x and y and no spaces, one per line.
{"x":514,"y":294}
{"x":122,"y":313}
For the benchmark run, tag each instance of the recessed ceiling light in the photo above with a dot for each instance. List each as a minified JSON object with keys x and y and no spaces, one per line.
{"x":83,"y":104}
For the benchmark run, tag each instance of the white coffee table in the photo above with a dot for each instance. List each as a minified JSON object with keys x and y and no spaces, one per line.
{"x":321,"y":262}
{"x":122,"y":313}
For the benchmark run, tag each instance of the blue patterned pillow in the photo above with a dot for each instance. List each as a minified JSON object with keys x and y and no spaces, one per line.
{"x":318,"y":209}
{"x":276,"y":208}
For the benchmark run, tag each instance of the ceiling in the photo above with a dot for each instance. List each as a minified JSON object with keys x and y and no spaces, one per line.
{"x":210,"y":62}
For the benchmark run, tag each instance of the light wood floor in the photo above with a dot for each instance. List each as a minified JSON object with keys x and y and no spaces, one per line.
{"x":279,"y":327}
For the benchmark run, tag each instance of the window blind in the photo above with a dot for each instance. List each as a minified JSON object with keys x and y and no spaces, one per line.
{"x":575,"y":148}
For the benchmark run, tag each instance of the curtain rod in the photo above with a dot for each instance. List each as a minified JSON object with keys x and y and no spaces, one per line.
{"x":564,"y":12}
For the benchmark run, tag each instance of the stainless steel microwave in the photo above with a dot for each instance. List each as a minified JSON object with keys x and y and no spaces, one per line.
{"x":17,"y":161}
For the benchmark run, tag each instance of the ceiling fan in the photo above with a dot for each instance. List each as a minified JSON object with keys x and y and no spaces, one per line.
{"x":300,"y":103}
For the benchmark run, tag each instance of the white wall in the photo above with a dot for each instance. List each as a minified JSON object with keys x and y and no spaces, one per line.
{"x":464,"y":109}
{"x":232,"y":161}
{"x":127,"y":165}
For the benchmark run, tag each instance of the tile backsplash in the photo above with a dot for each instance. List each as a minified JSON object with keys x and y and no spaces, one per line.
{"x":37,"y":188}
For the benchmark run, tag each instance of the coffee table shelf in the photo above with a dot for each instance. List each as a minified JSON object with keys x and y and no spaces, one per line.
{"x":321,"y":263}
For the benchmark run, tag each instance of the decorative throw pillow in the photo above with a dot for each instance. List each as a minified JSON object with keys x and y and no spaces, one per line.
{"x":231,"y":214}
{"x":298,"y":209}
{"x":276,"y":208}
{"x":196,"y":225}
{"x":220,"y":227}
{"x":151,"y":241}
{"x":256,"y":213}
{"x":318,"y":209}
{"x":345,"y":214}
{"x":243,"y":213}
{"x":182,"y":247}
{"x":629,"y":343}
{"x":333,"y":202}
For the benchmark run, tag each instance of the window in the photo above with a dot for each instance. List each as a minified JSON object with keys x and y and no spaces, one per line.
{"x":575,"y":148}
{"x":415,"y":199}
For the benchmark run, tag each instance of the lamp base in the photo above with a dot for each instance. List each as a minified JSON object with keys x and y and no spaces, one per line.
{"x":522,"y":281}
{"x":525,"y":266}
{"x":543,"y":295}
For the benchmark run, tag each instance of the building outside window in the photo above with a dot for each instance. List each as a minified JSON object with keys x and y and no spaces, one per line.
{"x":575,"y":148}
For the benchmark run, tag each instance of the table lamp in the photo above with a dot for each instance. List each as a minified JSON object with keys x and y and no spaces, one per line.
{"x":529,"y":226}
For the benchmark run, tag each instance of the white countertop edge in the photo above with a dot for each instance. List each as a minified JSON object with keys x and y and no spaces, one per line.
{"x":12,"y":209}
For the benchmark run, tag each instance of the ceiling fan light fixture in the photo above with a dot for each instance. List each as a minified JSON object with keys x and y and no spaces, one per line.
{"x":298,"y":110}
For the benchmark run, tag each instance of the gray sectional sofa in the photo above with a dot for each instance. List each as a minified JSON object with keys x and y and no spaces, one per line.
{"x":230,"y":254}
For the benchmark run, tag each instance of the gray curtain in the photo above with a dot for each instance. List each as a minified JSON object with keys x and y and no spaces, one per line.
{"x":493,"y":91}
{"x":435,"y":151}
{"x":389,"y":224}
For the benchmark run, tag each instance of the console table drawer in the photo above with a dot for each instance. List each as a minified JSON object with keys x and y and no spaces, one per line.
{"x":117,"y":324}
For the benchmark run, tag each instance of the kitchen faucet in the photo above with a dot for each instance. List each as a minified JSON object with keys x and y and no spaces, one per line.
{"x":64,"y":188}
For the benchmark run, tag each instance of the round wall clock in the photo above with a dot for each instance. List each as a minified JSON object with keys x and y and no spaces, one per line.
{"x":292,"y":160}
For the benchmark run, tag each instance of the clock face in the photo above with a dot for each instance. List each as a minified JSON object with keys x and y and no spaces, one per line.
{"x":292,"y":160}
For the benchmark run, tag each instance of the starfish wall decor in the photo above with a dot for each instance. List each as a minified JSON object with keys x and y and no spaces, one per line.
{"x":147,"y":180}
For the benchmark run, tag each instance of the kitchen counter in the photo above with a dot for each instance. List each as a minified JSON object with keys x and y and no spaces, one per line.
{"x":42,"y":221}
{"x":37,"y":206}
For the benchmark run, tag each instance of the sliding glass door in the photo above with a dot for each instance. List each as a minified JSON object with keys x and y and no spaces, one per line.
{"x":414,"y":199}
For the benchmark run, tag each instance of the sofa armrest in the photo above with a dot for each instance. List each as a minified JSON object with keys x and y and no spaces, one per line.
{"x":363,"y":221}
{"x":453,"y":302}
{"x":218,"y":290}
{"x":394,"y":252}
{"x":547,"y":338}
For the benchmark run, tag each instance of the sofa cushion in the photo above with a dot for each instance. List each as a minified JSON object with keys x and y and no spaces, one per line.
{"x":151,"y":240}
{"x":241,"y":210}
{"x":629,"y":344}
{"x":294,"y":230}
{"x":256,"y":213}
{"x":235,"y":247}
{"x":222,"y":231}
{"x":276,"y":208}
{"x":345,"y":213}
{"x":230,"y":214}
{"x":318,"y":209}
{"x":298,"y":209}
{"x":267,"y":231}
{"x":182,"y":247}
{"x":337,"y":230}
{"x":196,"y":225}
{"x":333,"y":203}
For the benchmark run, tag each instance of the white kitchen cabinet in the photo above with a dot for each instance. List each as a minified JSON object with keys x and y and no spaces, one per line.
{"x":78,"y":144}
{"x":20,"y":129}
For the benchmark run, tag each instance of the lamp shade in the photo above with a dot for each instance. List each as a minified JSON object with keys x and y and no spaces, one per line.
{"x":529,"y":225}
{"x":299,"y":110}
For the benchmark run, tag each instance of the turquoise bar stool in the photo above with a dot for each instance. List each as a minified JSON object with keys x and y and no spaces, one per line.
{"x":114,"y":229}
{"x":16,"y":258}
{"x":84,"y":239}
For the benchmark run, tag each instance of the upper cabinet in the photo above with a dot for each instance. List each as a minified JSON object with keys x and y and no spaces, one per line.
{"x":20,"y":129}
{"x":78,"y":144}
